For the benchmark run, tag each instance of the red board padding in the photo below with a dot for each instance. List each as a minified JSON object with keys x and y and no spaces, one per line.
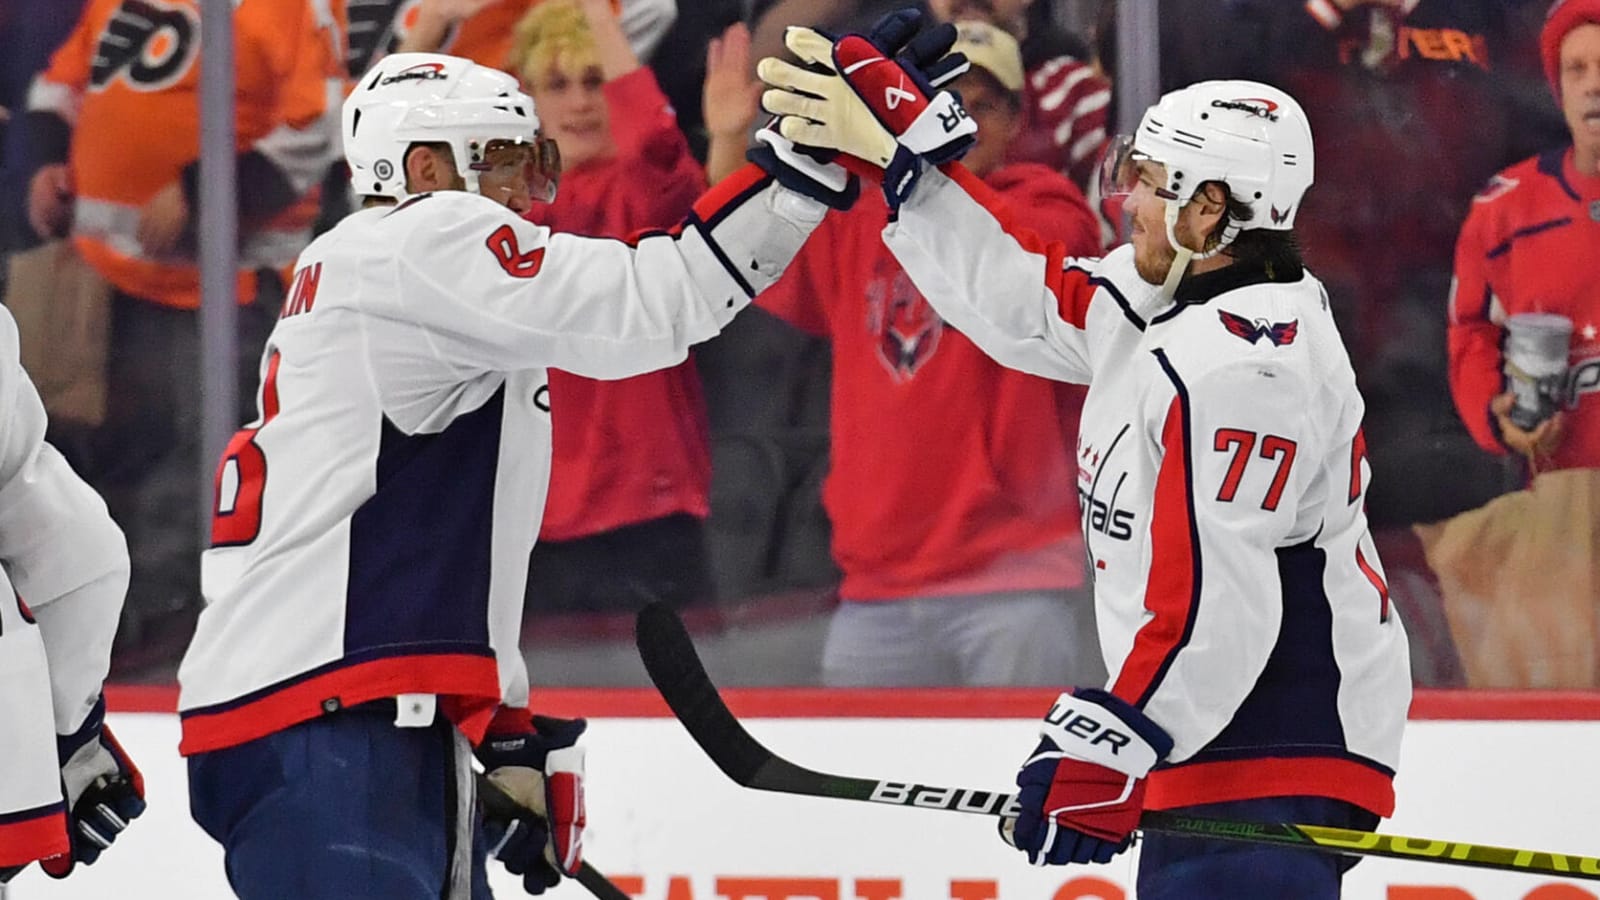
{"x":935,"y":703}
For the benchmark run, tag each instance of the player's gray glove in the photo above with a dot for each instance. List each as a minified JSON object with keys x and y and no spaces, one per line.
{"x":534,"y":761}
{"x":104,"y":791}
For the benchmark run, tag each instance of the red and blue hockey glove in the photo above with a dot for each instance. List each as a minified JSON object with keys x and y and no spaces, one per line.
{"x":859,"y":98}
{"x":537,"y":763}
{"x":900,"y":90}
{"x":104,"y":791}
{"x":1083,"y":787}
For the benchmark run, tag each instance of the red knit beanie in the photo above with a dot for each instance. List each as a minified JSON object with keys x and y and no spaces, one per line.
{"x":1564,"y":16}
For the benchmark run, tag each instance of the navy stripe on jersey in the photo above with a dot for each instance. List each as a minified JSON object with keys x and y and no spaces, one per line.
{"x":1504,"y":247}
{"x":1550,"y":163}
{"x":349,"y":661}
{"x":1214,"y":754}
{"x":426,"y":582}
{"x":722,"y":257}
{"x":1097,"y":281}
{"x":48,"y":809}
{"x":1294,"y":704}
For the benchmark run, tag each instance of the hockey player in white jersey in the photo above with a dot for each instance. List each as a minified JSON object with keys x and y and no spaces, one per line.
{"x":1258,"y":671}
{"x":67,"y":789}
{"x":369,"y":551}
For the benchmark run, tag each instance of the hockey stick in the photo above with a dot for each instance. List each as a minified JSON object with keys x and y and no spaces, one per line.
{"x":502,"y":806}
{"x":670,"y":658}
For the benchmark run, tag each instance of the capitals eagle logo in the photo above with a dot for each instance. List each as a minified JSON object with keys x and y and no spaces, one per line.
{"x":1281,"y":334}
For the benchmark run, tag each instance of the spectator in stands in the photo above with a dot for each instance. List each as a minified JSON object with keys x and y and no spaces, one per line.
{"x":1065,"y":98}
{"x":1381,"y":79}
{"x":962,"y":557}
{"x":1521,"y":576}
{"x":631,"y":471}
{"x":116,"y":119}
{"x":479,"y":30}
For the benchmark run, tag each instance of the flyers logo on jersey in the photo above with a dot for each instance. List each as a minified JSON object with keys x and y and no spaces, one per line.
{"x":1281,"y":334}
{"x":149,"y":45}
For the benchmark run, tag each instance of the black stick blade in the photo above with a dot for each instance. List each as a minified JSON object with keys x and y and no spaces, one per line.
{"x":670,"y":658}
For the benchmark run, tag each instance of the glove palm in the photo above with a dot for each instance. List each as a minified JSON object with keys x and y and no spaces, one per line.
{"x":541,"y":771}
{"x":859,"y":98}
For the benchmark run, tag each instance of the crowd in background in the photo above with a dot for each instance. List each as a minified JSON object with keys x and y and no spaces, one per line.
{"x":841,"y":454}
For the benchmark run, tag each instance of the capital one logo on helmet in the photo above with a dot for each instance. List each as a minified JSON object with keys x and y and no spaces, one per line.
{"x":431,"y":71}
{"x":1255,"y":106}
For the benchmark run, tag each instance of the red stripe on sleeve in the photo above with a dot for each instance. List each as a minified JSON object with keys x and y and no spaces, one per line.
{"x":1071,"y":286}
{"x":1377,"y":582}
{"x":729,"y":191}
{"x":1173,"y":586}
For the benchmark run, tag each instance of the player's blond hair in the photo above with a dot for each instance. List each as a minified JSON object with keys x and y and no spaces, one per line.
{"x":552,"y":35}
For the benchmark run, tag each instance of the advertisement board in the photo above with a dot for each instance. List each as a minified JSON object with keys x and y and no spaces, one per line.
{"x":666,"y":825}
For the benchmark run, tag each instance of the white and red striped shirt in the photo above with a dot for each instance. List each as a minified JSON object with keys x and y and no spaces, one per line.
{"x":1241,"y":603}
{"x":1067,"y":105}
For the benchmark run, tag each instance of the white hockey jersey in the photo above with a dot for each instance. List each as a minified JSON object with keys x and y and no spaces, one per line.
{"x":63,"y":575}
{"x":373,"y":525}
{"x":1222,"y":475}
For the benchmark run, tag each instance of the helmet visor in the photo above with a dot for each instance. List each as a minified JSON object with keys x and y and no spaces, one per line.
{"x":1124,"y":166}
{"x":516,"y":166}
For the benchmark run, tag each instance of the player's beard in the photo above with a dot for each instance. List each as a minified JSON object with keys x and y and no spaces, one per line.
{"x":1152,"y":257}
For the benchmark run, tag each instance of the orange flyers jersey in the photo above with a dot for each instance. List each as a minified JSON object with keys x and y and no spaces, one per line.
{"x":131,"y":69}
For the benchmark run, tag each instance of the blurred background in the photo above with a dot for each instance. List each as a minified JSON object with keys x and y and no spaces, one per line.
{"x":837,"y":490}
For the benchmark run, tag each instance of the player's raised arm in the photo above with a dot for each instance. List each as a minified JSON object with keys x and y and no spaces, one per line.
{"x":459,"y":149}
{"x":1016,"y":294}
{"x":503,"y":293}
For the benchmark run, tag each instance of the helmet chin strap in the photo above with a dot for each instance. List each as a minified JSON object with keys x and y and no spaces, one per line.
{"x":1182,"y":255}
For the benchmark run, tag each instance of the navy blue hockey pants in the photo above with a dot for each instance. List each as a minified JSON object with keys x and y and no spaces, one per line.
{"x":343,"y":807}
{"x":1172,"y":867}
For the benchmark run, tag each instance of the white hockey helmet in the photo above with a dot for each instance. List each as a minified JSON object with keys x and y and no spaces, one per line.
{"x":1252,"y":137}
{"x":430,"y":97}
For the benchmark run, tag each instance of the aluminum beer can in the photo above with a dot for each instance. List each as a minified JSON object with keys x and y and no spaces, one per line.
{"x":1536,"y":365}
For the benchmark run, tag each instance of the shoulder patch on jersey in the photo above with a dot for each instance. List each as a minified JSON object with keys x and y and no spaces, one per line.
{"x":1498,"y":187}
{"x":1281,"y":334}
